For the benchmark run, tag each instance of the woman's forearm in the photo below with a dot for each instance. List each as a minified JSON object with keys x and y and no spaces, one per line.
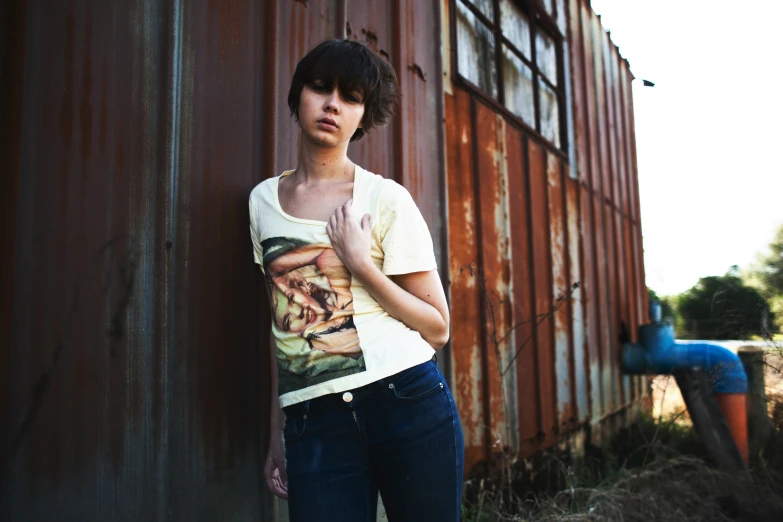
{"x":415,"y":313}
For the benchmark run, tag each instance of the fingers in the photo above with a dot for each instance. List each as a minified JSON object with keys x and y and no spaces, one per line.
{"x":283,"y":476}
{"x":343,"y":212}
{"x":340,"y":213}
{"x":346,"y":208}
{"x":366,"y":222}
{"x":276,"y":482}
{"x":277,"y":488}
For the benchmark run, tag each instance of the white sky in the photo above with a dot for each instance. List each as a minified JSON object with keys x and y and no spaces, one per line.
{"x":708,"y":134}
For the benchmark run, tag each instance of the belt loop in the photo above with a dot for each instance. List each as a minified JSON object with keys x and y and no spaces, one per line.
{"x":307,"y":406}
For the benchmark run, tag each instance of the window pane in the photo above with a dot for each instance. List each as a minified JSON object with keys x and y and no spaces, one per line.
{"x":548,"y":5}
{"x":485,"y":6}
{"x":476,"y":51}
{"x":515,"y":26}
{"x":546,"y":57}
{"x":550,"y":118}
{"x":518,"y":87}
{"x":561,"y":16}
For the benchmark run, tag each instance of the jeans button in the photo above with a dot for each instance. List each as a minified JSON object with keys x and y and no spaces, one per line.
{"x":347,"y":396}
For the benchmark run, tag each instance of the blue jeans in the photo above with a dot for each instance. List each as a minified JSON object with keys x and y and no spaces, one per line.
{"x":400,"y":435}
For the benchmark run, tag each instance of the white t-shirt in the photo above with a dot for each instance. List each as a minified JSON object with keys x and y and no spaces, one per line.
{"x":331,"y":335}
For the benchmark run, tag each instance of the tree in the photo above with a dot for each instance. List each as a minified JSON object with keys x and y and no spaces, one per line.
{"x":771,"y":269}
{"x":722,"y":307}
{"x":668,"y":305}
{"x":766,"y":275}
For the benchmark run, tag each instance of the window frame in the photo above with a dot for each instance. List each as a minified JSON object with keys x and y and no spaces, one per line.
{"x":540,"y":21}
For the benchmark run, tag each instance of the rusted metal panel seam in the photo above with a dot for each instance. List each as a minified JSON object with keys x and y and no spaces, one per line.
{"x":568,"y":255}
{"x":531,"y":279}
{"x":481,"y":317}
{"x":610,"y":232}
{"x":443,"y":86}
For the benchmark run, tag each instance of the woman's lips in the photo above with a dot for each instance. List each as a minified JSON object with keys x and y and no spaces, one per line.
{"x":327,"y":124}
{"x":310,"y":316}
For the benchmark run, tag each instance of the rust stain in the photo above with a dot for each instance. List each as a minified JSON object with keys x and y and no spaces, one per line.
{"x":557,"y":231}
{"x":613,"y":314}
{"x":580,"y":368}
{"x":370,"y":37}
{"x":591,"y":304}
{"x":466,"y":347}
{"x":416,"y":70}
{"x":579,"y":94}
{"x":522,"y":309}
{"x":493,"y":268}
{"x":542,"y":284}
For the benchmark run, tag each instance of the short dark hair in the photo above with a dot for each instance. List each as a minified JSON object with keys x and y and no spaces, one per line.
{"x":352,"y":66}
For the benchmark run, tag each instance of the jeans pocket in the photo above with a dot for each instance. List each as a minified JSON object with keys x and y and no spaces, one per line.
{"x":295,"y":427}
{"x":416,"y":382}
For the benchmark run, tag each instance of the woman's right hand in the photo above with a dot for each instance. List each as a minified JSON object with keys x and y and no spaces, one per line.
{"x":274,"y":468}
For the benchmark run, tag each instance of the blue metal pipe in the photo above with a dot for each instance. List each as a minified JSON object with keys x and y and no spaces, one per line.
{"x":658,"y":353}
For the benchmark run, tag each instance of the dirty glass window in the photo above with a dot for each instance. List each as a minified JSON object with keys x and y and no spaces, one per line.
{"x":511,"y":50}
{"x":515,"y":26}
{"x":476,"y":60}
{"x":518,"y":87}
{"x":546,"y":56}
{"x":550,"y":118}
{"x":485,"y":6}
{"x":561,"y":16}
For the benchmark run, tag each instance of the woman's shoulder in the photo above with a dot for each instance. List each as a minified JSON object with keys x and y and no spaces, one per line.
{"x":264,"y":186}
{"x":264,"y":192}
{"x":385,"y":190}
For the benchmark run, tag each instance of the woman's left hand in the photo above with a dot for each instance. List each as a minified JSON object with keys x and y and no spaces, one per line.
{"x":351,"y":242}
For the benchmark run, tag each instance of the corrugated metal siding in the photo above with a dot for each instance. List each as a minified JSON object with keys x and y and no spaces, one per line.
{"x":133,"y":134}
{"x":565,"y":224}
{"x":134,"y":317}
{"x":135,"y":331}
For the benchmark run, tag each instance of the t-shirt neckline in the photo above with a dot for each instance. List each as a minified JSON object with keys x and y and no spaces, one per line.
{"x":295,"y":219}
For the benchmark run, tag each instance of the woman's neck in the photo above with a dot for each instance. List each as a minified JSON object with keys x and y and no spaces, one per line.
{"x":318,"y":164}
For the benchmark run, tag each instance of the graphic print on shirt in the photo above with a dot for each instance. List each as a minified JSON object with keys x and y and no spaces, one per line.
{"x":312,"y":305}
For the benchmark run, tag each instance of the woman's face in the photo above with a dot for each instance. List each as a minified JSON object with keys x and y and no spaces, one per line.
{"x":327,"y":117}
{"x":302,"y":298}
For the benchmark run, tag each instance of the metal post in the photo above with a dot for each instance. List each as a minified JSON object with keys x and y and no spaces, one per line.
{"x":759,"y":425}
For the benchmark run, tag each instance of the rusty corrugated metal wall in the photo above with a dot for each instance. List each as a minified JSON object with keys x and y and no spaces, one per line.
{"x":546,"y":258}
{"x":134,"y":385}
{"x":132,"y":316}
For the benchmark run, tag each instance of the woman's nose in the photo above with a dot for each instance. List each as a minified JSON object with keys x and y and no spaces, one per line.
{"x":332,"y":102}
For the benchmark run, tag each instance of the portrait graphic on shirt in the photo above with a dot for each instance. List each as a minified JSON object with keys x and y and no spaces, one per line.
{"x":312,"y":306}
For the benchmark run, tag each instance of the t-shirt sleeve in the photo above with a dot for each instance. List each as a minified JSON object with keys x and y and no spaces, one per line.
{"x":257,"y":253}
{"x":405,"y":238}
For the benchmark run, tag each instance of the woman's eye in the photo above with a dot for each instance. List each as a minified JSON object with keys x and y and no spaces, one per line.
{"x":354,"y":98}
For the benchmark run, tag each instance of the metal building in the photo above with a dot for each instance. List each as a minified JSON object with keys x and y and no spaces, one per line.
{"x":131,"y":313}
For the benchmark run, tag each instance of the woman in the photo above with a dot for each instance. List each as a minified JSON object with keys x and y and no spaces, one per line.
{"x":358,"y":312}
